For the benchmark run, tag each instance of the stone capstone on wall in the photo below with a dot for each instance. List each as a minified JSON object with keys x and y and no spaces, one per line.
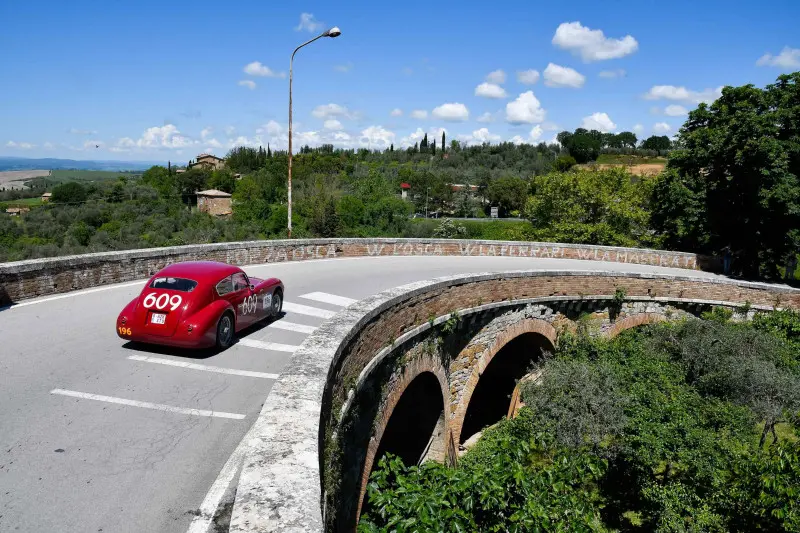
{"x":302,"y":472}
{"x":39,"y":277}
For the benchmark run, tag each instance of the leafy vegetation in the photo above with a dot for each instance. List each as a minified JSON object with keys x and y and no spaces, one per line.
{"x":692,"y":426}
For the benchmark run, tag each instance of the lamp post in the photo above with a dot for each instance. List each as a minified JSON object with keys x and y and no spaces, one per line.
{"x":333,"y":32}
{"x":426,"y":201}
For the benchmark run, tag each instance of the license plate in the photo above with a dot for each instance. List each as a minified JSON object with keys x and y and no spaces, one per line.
{"x":158,"y":318}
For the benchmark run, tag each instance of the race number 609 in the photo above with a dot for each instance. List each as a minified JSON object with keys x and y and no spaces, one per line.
{"x":160,"y":301}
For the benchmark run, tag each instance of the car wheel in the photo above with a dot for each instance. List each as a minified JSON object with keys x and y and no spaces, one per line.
{"x":225,"y":331}
{"x":277,"y":303}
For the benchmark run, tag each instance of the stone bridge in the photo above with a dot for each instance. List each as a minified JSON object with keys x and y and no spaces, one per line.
{"x":417,"y":370}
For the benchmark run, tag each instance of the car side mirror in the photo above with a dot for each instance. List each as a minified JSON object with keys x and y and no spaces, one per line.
{"x":252,"y":287}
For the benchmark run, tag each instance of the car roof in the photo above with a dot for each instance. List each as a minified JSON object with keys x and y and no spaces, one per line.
{"x":199,"y":271}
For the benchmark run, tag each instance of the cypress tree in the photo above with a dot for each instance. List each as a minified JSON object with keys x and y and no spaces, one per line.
{"x":433,"y":147}
{"x":443,"y":144}
{"x":269,"y":152}
{"x":391,"y":147}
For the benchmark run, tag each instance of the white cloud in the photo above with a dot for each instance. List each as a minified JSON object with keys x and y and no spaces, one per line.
{"x":245,"y":141}
{"x":271,"y":128}
{"x":332,"y":124}
{"x":618,"y":73}
{"x":257,"y":69}
{"x":534,"y":136}
{"x":490,"y":90}
{"x":592,"y":45}
{"x":479,"y":136}
{"x":376,"y":137}
{"x":662,"y":128}
{"x":558,"y":76}
{"x":48,"y":146}
{"x":343,"y":68}
{"x":675,"y":110}
{"x":419,"y":114}
{"x":486,"y":117}
{"x":250,"y":84}
{"x":167,"y":136}
{"x":230,"y":130}
{"x":496,"y":77}
{"x":205,"y":132}
{"x":598,"y":121}
{"x":454,"y":112}
{"x":433,"y":135}
{"x":682,"y":94}
{"x":331,"y":110}
{"x":528,"y":77}
{"x":526,"y":109}
{"x":638,"y":128}
{"x":76,"y":131}
{"x":788,"y":58}
{"x":396,"y":112}
{"x":213,"y":143}
{"x":126,"y":142}
{"x":21,"y":145}
{"x":309,"y":23}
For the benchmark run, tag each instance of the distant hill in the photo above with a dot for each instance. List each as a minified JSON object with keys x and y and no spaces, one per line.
{"x":23,"y":163}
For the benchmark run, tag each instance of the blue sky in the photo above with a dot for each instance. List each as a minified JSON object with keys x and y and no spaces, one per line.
{"x":161,"y":80}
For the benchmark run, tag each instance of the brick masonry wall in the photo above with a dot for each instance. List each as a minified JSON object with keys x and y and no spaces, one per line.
{"x":40,"y":277}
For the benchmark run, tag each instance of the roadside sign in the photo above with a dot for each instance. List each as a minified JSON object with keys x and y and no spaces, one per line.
{"x":494,"y":212}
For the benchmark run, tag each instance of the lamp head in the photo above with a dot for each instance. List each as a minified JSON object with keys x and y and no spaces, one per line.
{"x":333,"y":32}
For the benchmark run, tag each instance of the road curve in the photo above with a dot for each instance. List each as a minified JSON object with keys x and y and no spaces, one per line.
{"x":99,"y":436}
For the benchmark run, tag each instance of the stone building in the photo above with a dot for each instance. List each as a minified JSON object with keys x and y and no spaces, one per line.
{"x":214,"y":202}
{"x":208,"y":162}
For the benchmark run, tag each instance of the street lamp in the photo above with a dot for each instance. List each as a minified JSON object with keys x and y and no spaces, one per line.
{"x":333,"y":32}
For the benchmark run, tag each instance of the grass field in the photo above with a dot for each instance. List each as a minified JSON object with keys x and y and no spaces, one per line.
{"x":82,"y":176}
{"x":15,"y":179}
{"x":619,"y":159}
{"x":22,"y":202}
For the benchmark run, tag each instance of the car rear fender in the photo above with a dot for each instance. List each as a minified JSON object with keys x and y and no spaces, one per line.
{"x":205,"y":320}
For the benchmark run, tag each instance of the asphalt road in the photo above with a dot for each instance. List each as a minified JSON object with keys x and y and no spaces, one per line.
{"x":78,"y":460}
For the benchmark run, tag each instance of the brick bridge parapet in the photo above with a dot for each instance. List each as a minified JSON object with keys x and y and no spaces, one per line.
{"x":314,"y":442}
{"x":40,"y":277}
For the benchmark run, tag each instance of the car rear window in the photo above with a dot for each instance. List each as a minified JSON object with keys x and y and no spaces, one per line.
{"x":174,"y":284}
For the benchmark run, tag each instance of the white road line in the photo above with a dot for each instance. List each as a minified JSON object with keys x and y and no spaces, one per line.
{"x":264,"y":345}
{"x":329,"y":298}
{"x":146,"y":405}
{"x":76,"y":293}
{"x":292,"y":326}
{"x":306,"y":310}
{"x":195,"y":366}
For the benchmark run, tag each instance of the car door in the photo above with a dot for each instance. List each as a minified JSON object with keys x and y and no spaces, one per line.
{"x":235,"y":290}
{"x":247,"y":301}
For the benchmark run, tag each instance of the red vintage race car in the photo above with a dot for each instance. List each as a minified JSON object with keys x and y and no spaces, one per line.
{"x":198,"y":304}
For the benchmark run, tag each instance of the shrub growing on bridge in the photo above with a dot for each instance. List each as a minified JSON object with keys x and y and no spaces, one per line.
{"x":698,"y":430}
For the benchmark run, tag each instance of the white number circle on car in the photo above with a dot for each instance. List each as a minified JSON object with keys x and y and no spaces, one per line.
{"x":160,"y":301}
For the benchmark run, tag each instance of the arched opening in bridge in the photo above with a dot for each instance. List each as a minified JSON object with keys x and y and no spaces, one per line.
{"x":492,"y":395}
{"x":413,"y":423}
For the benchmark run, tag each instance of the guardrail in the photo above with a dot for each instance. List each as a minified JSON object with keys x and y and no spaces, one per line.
{"x":40,"y":277}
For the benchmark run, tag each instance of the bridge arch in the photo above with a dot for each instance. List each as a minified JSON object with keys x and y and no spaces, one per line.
{"x":411,"y":421}
{"x":632,"y":321}
{"x":485,"y":397}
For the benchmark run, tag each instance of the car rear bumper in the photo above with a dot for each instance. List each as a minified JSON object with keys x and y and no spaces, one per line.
{"x":194,"y":340}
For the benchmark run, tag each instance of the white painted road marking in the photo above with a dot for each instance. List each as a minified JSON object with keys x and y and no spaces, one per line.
{"x":306,"y":310}
{"x":329,"y":298}
{"x":292,"y":326}
{"x":264,"y":345}
{"x":146,"y":405}
{"x":195,"y":366}
{"x":76,"y":293}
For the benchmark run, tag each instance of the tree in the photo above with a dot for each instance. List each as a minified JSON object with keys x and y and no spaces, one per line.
{"x":444,"y":145}
{"x":70,"y":193}
{"x":433,"y":147}
{"x":564,"y":163}
{"x":627,"y":139}
{"x":741,"y":158}
{"x":657,"y":142}
{"x":222,"y":180}
{"x":594,"y":207}
{"x":508,"y":193}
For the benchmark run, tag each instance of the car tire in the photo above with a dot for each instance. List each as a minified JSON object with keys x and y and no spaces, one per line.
{"x":225,"y":330}
{"x":277,"y":303}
